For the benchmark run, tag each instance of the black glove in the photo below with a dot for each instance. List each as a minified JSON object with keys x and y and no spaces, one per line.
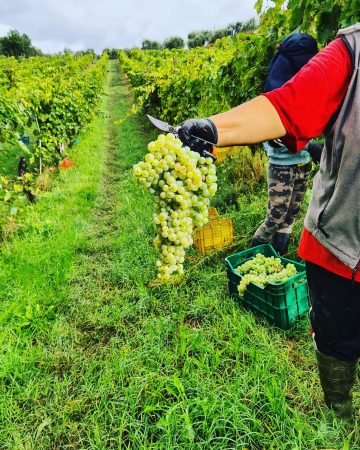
{"x":191,"y":129}
{"x":315,"y":149}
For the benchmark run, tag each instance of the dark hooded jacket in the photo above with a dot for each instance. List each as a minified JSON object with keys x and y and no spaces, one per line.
{"x":294,"y":52}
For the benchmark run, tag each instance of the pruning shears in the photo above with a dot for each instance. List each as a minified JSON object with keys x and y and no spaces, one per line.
{"x":167,"y":128}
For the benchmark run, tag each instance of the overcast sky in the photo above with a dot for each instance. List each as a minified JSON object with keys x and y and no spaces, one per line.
{"x":53,"y":25}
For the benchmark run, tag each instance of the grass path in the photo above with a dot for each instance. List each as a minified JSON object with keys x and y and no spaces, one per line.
{"x":94,"y":359}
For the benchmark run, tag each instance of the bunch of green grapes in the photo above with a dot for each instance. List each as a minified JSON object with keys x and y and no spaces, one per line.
{"x":262,"y":270}
{"x":182,"y":183}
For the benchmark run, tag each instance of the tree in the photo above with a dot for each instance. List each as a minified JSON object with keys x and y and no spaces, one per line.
{"x":147,"y":44}
{"x":113,"y":53}
{"x":88,"y":51}
{"x":68,"y":51}
{"x":232,"y":29}
{"x":250,"y":25}
{"x":218,"y":34}
{"x":198,"y":38}
{"x":16,"y":44}
{"x":174,"y":42}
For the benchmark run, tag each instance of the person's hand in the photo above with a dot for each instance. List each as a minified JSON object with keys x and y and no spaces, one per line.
{"x":315,"y":149}
{"x":192,"y":129}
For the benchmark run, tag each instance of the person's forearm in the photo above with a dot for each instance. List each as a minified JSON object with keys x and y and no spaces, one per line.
{"x":252,"y":122}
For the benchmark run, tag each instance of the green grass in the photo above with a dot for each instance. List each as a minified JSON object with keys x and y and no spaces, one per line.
{"x":92,"y":358}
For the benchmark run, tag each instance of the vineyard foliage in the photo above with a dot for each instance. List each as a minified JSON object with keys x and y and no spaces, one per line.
{"x":51,"y":97}
{"x":56,"y":95}
{"x":321,"y":19}
{"x":178,"y":84}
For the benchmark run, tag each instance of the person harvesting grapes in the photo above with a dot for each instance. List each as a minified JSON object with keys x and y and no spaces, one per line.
{"x":288,"y":173}
{"x":322,"y":98}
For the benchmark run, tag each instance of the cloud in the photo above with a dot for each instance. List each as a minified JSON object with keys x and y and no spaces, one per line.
{"x":53,"y":25}
{"x":4,"y":29}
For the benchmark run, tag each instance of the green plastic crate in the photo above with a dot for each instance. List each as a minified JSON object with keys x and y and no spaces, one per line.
{"x":281,"y":303}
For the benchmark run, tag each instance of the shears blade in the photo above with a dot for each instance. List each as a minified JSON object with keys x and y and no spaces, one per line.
{"x":161,"y":125}
{"x":167,"y":128}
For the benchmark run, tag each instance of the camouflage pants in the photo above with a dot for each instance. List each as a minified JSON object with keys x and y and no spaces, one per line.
{"x":286,"y":191}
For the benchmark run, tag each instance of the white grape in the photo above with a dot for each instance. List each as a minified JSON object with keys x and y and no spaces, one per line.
{"x":182,"y":184}
{"x":262,"y":270}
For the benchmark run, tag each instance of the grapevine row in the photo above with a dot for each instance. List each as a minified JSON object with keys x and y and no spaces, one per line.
{"x":54,"y":95}
{"x":178,"y":84}
{"x":53,"y":98}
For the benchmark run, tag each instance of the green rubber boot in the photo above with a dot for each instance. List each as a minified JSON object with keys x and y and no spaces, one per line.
{"x":337,"y":379}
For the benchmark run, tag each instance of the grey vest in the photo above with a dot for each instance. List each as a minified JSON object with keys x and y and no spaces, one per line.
{"x":333,"y":216}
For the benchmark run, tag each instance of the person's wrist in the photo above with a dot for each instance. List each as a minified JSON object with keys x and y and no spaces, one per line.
{"x":214,"y":129}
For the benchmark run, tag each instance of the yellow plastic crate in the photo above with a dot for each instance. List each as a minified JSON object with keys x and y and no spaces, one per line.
{"x":223,"y":152}
{"x":217,"y":234}
{"x":212,"y":213}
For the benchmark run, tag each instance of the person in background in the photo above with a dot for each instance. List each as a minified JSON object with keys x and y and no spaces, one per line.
{"x":322,"y":98}
{"x":288,"y":173}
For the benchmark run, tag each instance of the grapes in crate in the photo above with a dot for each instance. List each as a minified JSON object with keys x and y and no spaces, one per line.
{"x":182,"y":183}
{"x":262,"y":270}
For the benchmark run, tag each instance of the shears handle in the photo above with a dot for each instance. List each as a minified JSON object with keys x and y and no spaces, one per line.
{"x":207,"y":154}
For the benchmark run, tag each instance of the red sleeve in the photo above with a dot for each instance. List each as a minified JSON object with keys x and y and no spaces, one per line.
{"x":307,"y":102}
